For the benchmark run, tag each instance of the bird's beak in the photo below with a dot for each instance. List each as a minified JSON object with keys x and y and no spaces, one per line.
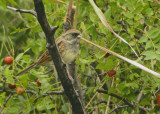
{"x":79,"y":36}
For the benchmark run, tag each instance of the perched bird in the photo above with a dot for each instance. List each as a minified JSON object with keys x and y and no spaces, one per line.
{"x":68,"y":46}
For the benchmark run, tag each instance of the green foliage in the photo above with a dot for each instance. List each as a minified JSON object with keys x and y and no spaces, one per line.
{"x":22,"y":38}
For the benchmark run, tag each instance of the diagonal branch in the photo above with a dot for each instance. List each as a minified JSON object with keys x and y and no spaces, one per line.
{"x":5,"y":103}
{"x":123,"y":99}
{"x":119,"y":97}
{"x":61,"y":71}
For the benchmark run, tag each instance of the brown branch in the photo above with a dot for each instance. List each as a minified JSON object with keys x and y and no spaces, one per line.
{"x":4,"y":105}
{"x":54,"y":93}
{"x":119,"y":107}
{"x":123,"y":99}
{"x":48,"y":94}
{"x":61,"y":71}
{"x":119,"y":97}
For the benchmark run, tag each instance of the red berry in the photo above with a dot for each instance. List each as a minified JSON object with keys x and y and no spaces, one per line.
{"x":11,"y":86}
{"x":8,"y":60}
{"x":158,"y":99}
{"x":106,"y":55}
{"x":111,"y":73}
{"x":19,"y":90}
{"x":38,"y":82}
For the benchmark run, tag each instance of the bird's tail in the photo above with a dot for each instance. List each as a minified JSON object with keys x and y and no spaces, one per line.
{"x":27,"y":69}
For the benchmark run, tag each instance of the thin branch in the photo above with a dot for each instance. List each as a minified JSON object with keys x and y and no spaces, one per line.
{"x":31,"y":91}
{"x":23,"y":11}
{"x":48,"y":94}
{"x":4,"y":105}
{"x":117,"y":96}
{"x":123,"y":99}
{"x":4,"y":82}
{"x":140,"y":96}
{"x":119,"y":107}
{"x":54,"y":93}
{"x":104,"y":102}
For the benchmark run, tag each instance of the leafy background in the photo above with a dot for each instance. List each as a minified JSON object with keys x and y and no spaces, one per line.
{"x":137,"y":21}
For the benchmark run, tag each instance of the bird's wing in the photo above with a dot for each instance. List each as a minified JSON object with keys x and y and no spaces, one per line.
{"x":61,"y":45}
{"x":44,"y":58}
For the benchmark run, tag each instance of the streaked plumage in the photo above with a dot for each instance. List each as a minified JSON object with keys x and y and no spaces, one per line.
{"x":68,"y":46}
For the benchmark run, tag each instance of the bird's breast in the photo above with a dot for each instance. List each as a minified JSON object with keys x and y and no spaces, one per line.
{"x":70,"y":53}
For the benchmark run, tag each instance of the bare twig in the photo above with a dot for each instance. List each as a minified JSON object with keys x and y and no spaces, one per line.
{"x":4,"y":82}
{"x":123,"y":99}
{"x":117,"y":96}
{"x":140,"y":96}
{"x":119,"y":107}
{"x":109,"y":98}
{"x":48,"y":94}
{"x":54,"y":93}
{"x":100,"y":103}
{"x":4,"y":105}
{"x":23,"y":11}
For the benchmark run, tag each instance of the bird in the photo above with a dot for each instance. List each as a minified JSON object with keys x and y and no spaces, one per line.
{"x":68,"y":45}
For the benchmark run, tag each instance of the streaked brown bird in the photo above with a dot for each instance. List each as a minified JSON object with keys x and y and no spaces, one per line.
{"x":68,"y":46}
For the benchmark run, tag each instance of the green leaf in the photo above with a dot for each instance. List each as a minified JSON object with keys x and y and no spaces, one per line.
{"x":149,"y":55}
{"x":112,"y":90}
{"x":18,"y":30}
{"x":143,"y":39}
{"x":129,"y":15}
{"x":65,"y":107}
{"x":19,"y":57}
{"x":149,"y":12}
{"x":45,"y":103}
{"x":93,"y":17}
{"x":12,"y":2}
{"x":154,"y":32}
{"x":23,"y":78}
{"x":107,"y":14}
{"x":148,"y":45}
{"x":85,"y":61}
{"x":3,"y":4}
{"x":21,"y":54}
{"x":13,"y":110}
{"x":125,"y":112}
